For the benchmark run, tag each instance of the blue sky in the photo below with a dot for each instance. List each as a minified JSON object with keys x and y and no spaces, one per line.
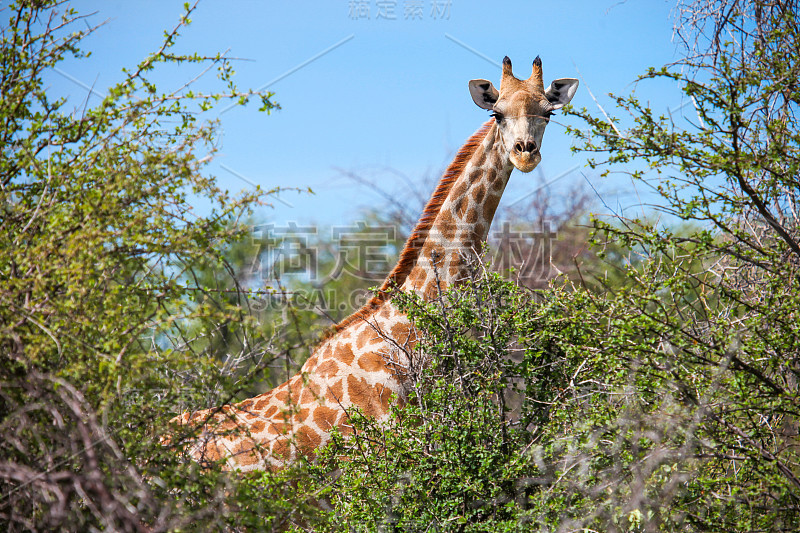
{"x":389,"y":92}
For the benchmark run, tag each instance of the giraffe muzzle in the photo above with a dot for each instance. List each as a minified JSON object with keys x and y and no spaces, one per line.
{"x":525,"y":155}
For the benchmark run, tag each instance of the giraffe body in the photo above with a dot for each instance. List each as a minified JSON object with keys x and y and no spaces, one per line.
{"x":364,"y":361}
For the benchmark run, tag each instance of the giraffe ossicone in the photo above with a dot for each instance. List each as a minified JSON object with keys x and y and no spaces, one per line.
{"x":363,"y":361}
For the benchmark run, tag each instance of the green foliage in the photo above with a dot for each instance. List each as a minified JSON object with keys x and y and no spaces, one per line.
{"x":659,"y":395}
{"x":703,"y":326}
{"x":105,"y":327}
{"x":730,"y":334}
{"x":564,"y":410}
{"x":458,"y":456}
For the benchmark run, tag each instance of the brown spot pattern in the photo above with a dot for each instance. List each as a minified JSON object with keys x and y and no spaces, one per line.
{"x":345,"y":353}
{"x":461,"y":206}
{"x":447,"y":225}
{"x":490,"y":207}
{"x":307,"y":440}
{"x":335,"y":393}
{"x":433,"y":252}
{"x":277,"y":428}
{"x":418,"y":276}
{"x":478,"y":193}
{"x":460,"y":190}
{"x":282,"y":395}
{"x":328,"y":369}
{"x":281,"y":449}
{"x":372,"y":362}
{"x":382,"y":394}
{"x":325,"y":417}
{"x":211,"y":452}
{"x":401,"y":332}
{"x":245,"y":453}
{"x":361,"y":395}
{"x":327,"y":353}
{"x":227,"y":425}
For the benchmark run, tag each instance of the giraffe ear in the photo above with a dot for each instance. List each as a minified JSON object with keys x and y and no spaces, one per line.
{"x":484,"y":93}
{"x":561,"y":92}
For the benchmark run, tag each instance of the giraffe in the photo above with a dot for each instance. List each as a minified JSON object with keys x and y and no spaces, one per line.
{"x":362,"y":362}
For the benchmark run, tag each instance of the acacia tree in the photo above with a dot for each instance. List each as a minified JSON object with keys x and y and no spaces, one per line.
{"x":105,"y":324}
{"x":665,"y":401}
{"x":706,"y":331}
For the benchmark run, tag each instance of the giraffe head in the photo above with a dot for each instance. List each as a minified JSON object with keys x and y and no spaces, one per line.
{"x":522,"y":109}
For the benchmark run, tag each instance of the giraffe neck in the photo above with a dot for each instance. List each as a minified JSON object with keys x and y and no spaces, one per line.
{"x":461,"y":225}
{"x":364,"y":362}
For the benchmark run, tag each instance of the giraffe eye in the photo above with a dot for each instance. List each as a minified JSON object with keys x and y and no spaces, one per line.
{"x":498,"y":117}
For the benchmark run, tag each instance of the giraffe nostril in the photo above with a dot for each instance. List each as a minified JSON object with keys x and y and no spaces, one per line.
{"x":525,"y":146}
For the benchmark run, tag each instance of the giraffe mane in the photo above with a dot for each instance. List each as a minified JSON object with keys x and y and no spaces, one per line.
{"x":413,"y":246}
